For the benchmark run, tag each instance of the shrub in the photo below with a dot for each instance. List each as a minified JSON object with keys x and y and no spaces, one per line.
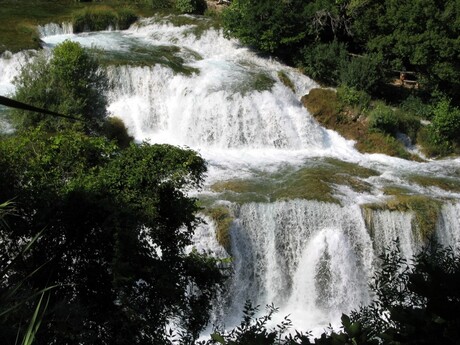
{"x":446,"y":121}
{"x":362,"y":73}
{"x":324,"y":61}
{"x":377,"y":142}
{"x":352,"y":97}
{"x":70,"y":83}
{"x":191,"y":6}
{"x":383,"y":119}
{"x":408,"y":123}
{"x":416,"y":106}
{"x":158,"y":4}
{"x":126,"y":17}
{"x":431,"y":144}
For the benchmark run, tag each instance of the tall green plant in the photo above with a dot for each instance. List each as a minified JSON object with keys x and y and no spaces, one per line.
{"x":69,"y":83}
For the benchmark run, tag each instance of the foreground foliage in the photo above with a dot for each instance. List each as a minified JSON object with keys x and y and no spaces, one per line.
{"x":416,"y":303}
{"x":117,"y":224}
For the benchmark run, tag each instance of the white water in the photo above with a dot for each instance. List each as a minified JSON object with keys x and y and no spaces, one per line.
{"x":311,"y":259}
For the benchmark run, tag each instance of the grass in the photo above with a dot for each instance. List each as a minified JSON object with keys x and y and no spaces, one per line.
{"x":98,"y":18}
{"x":450,"y":184}
{"x":283,"y":77}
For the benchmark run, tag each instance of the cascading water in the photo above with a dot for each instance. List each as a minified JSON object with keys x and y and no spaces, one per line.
{"x":188,"y":85}
{"x":312,"y":259}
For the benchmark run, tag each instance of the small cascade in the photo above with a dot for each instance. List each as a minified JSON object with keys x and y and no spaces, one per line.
{"x":53,"y":29}
{"x":10,"y":66}
{"x":448,"y":229}
{"x":310,"y":258}
{"x":204,"y":111}
{"x":388,"y":226}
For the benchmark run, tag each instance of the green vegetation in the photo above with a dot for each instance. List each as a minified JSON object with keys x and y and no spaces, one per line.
{"x":374,"y":125}
{"x":70,"y":83}
{"x":103,"y":209}
{"x":20,"y":18}
{"x":283,"y":77}
{"x":102,"y":17}
{"x":426,"y":210}
{"x":223,"y":217}
{"x":315,"y":182}
{"x":361,"y":45}
{"x":447,"y":183}
{"x":342,"y":112}
{"x":416,"y":302}
{"x":170,"y":56}
{"x":191,"y":6}
{"x":117,"y":219}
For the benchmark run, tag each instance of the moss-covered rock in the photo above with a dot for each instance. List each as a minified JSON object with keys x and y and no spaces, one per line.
{"x":223,"y":217}
{"x":350,"y":121}
{"x":283,"y":77}
{"x":314,"y":182}
{"x":426,"y":212}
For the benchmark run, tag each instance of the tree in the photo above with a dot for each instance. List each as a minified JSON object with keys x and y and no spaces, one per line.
{"x":117,"y":224}
{"x":413,"y":35}
{"x":69,"y":83}
{"x":270,"y":26}
{"x":323,"y":61}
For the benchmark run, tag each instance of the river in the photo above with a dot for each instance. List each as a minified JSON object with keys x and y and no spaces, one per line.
{"x":307,"y":214}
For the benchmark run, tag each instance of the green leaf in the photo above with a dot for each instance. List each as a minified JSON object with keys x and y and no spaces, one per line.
{"x":217,"y":337}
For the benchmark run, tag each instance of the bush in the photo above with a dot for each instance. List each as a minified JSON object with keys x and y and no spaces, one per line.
{"x":352,"y":97}
{"x":70,"y":83}
{"x":378,"y":142}
{"x":191,"y":6}
{"x":431,"y":144}
{"x":126,"y":17}
{"x":115,"y":129}
{"x":446,"y":121}
{"x":383,"y":119}
{"x":408,"y":123}
{"x":416,"y":106}
{"x":324,"y":61}
{"x":362,"y":73}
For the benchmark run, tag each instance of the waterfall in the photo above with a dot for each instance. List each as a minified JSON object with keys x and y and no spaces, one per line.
{"x":200,"y":111}
{"x":448,"y":229}
{"x":187,"y":85}
{"x":53,"y":29}
{"x":310,"y":258}
{"x":10,"y":66}
{"x":388,"y":226}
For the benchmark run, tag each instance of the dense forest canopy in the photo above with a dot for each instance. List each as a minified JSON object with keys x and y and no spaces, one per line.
{"x":410,"y":35}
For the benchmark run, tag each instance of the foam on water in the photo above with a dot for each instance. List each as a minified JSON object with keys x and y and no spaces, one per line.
{"x":312,"y":259}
